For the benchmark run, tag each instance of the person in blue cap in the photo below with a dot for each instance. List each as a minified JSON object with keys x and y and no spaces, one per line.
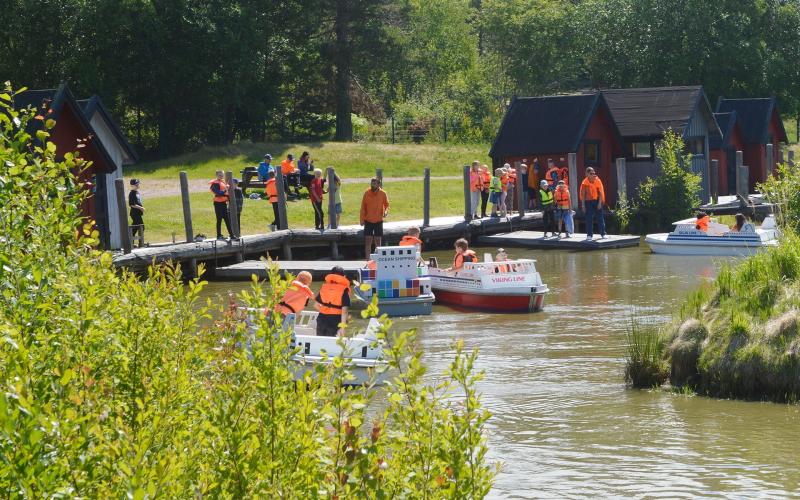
{"x":265,"y":167}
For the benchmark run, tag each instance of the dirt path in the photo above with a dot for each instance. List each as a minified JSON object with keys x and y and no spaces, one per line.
{"x":156,"y":188}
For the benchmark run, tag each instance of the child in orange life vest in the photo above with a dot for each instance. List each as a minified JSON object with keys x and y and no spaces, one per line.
{"x":411,"y":238}
{"x":563,"y":208}
{"x":504,"y":180}
{"x":272,"y":192}
{"x":463,"y":254}
{"x":295,"y":299}
{"x":501,"y":256}
{"x":702,"y":221}
{"x":333,"y":302}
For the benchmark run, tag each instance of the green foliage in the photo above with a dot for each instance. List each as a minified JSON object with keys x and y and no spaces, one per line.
{"x":645,"y":366}
{"x":783,"y":189}
{"x":739,"y":336}
{"x":674,"y":193}
{"x":115,"y":386}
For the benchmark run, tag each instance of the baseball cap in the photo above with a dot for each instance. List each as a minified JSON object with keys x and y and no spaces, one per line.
{"x":134,"y":182}
{"x":267,"y":156}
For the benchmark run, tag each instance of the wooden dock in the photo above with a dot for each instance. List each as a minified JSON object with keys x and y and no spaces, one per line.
{"x":536,"y":239}
{"x":317,"y":268}
{"x":440,"y":232}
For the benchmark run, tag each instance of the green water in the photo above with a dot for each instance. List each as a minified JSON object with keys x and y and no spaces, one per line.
{"x":565,"y":425}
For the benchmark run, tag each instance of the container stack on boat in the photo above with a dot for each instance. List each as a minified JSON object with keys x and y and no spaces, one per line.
{"x":395,"y":276}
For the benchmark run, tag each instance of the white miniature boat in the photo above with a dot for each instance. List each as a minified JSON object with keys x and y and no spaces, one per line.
{"x":718,"y":240}
{"x":503,"y":286}
{"x":398,"y":282}
{"x":362,"y":353}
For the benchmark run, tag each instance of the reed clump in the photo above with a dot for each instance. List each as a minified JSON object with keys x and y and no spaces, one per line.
{"x":645,"y":367}
{"x":740,"y":336}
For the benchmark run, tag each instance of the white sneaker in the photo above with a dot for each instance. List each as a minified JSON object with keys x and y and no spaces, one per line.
{"x":588,"y":238}
{"x":602,"y":237}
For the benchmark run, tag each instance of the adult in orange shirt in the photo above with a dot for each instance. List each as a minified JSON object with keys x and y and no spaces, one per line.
{"x":374,"y":208}
{"x":592,"y":198}
{"x":291,"y":176}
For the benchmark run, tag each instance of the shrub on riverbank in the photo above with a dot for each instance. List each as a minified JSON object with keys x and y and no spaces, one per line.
{"x":740,"y":336}
{"x":112,"y":386}
{"x":645,"y":367}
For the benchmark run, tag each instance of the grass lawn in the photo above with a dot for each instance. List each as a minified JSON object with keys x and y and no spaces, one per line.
{"x":349,"y":159}
{"x":164,"y":215}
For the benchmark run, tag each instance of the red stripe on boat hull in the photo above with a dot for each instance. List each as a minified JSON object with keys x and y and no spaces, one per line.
{"x":490,"y":302}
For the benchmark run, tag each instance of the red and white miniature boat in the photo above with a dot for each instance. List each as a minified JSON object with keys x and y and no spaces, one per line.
{"x":503,"y":286}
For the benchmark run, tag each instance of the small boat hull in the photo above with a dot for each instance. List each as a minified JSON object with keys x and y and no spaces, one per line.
{"x":421,"y":305}
{"x":661,"y":245}
{"x":491,"y":302}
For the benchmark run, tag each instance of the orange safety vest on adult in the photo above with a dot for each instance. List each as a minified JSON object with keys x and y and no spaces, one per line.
{"x":287,"y":167}
{"x":295,"y":298}
{"x":272,"y":190}
{"x":461,"y":258}
{"x":562,"y":197}
{"x":410,"y":241}
{"x":220,"y":190}
{"x":475,"y":181}
{"x":702,"y":223}
{"x":331,"y":292}
{"x":592,"y":190}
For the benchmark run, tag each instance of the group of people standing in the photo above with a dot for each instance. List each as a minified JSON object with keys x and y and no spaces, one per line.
{"x":550,"y":194}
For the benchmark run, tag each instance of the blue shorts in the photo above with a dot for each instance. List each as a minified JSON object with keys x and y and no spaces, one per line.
{"x":338,"y":208}
{"x":494,"y":197}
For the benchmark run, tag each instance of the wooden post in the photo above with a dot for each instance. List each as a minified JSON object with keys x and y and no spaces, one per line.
{"x":232,"y":205}
{"x":187,"y":210}
{"x":392,"y":129}
{"x":572,"y":162}
{"x":781,"y":157}
{"x":713,"y":179}
{"x":283,"y":223}
{"x":741,"y":189}
{"x":332,"y":188}
{"x":125,"y":233}
{"x":769,"y":165}
{"x":426,"y":198}
{"x":743,"y":179}
{"x":467,"y":196}
{"x":520,"y":201}
{"x":622,"y":179}
{"x":791,"y":158}
{"x":379,"y":175}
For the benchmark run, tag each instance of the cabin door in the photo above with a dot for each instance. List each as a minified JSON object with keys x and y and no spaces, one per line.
{"x":730,"y":156}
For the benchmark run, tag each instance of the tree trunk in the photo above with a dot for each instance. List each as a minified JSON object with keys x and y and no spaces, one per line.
{"x":343,"y":57}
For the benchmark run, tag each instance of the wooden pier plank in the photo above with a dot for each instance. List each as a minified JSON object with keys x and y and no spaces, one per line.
{"x":536,"y":239}
{"x":317,"y":268}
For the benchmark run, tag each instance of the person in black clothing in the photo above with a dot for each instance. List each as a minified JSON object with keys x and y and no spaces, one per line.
{"x":136,"y":209}
{"x":333,"y":302}
{"x":220,"y":191}
{"x":237,"y":192}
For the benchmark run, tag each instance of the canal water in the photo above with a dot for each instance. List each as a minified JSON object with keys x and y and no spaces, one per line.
{"x":565,"y":425}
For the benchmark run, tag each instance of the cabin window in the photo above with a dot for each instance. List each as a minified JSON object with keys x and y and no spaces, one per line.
{"x":696,"y":145}
{"x":591,"y":153}
{"x":642,"y":150}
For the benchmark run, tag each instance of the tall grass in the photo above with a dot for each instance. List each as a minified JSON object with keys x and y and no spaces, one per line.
{"x":645,"y":366}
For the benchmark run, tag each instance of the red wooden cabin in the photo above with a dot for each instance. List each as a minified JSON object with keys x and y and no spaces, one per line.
{"x":724,"y":147}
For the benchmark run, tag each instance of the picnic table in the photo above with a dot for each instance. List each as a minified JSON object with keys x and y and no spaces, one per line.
{"x":250,"y":179}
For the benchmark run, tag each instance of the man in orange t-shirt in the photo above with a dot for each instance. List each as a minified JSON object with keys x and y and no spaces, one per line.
{"x":374,"y":208}
{"x":592,"y":198}
{"x":291,"y":177}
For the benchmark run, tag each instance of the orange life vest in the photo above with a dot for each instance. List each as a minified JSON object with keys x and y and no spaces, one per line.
{"x":562,"y":197}
{"x":272,"y":190}
{"x":552,"y":176}
{"x":475,"y":181}
{"x":295,"y":298}
{"x":330,"y":294}
{"x":702,"y":224}
{"x":563,"y":175}
{"x":222,"y":187}
{"x":512,"y":175}
{"x":460,"y":258}
{"x":410,"y":241}
{"x":486,"y":177}
{"x":504,"y":182}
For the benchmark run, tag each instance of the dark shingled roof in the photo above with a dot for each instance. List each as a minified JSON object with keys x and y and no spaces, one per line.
{"x":649,"y":112}
{"x":56,"y":100}
{"x":553,"y":124}
{"x":95,"y":104}
{"x":726,"y":122}
{"x":754,"y":117}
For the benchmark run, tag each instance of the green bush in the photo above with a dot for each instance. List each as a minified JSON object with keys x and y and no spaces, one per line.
{"x":674,"y":193}
{"x":116,"y":386}
{"x":645,"y":366}
{"x":783,"y":189}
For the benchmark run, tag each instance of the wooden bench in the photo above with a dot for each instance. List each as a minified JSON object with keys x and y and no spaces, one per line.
{"x":250,"y":180}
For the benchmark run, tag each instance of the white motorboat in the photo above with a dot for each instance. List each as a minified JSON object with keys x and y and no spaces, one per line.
{"x":362,"y":353}
{"x":394,"y":276}
{"x":502,"y":286}
{"x":719,"y":240}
